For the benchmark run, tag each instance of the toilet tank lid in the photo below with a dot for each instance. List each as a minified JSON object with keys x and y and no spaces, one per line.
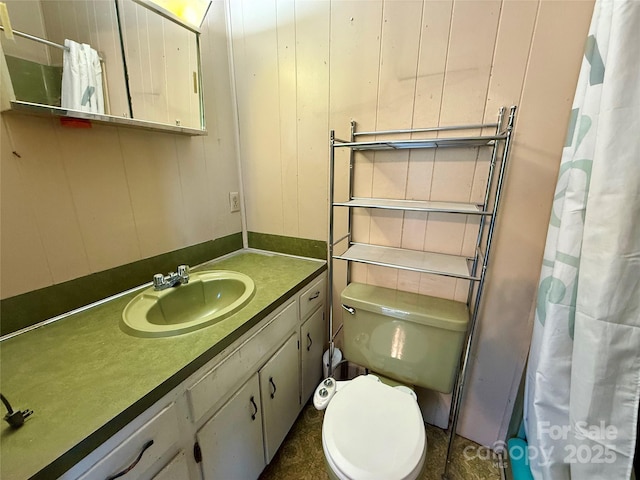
{"x":413,"y":307}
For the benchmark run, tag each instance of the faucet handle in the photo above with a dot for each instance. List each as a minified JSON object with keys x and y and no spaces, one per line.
{"x":158,"y":281}
{"x":183,"y":273}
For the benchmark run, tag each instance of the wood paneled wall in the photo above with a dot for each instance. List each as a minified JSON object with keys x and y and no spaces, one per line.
{"x":304,"y":67}
{"x":78,"y":201}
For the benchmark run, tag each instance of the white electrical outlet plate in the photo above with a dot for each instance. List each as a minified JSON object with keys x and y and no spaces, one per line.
{"x":234,"y":201}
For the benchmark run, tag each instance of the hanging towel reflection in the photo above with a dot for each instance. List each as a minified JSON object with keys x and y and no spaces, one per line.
{"x":82,"y":78}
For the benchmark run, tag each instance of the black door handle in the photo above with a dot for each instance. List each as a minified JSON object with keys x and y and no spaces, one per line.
{"x":273,"y":394}
{"x":310,"y":342}
{"x":255,"y":412}
{"x":133,"y":465}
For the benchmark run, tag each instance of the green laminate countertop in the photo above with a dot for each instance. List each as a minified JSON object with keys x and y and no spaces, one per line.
{"x":85,"y":379}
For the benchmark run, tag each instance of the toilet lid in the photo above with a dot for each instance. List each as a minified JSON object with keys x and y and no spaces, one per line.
{"x":373,"y":431}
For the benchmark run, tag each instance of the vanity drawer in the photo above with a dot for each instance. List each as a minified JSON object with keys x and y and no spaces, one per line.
{"x":312,"y":297}
{"x":224,"y":377}
{"x":161,"y":429}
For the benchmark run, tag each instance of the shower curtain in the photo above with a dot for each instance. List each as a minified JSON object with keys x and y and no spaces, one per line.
{"x":81,"y":78}
{"x":583,"y":375}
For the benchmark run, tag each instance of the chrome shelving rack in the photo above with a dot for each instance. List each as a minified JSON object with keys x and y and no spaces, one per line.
{"x":472,"y":268}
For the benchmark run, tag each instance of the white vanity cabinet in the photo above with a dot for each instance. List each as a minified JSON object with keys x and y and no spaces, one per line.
{"x":287,"y":378}
{"x":228,"y":419}
{"x":231,"y":441}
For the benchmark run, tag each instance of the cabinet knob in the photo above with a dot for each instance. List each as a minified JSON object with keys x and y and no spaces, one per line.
{"x":310,"y":342}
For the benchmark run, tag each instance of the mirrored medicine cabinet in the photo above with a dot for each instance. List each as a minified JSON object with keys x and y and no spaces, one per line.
{"x":127,"y":62}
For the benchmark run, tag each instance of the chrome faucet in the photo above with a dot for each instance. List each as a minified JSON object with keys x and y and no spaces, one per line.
{"x":181,"y":277}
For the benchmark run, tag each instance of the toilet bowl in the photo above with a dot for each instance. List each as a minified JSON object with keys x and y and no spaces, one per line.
{"x":373,"y":431}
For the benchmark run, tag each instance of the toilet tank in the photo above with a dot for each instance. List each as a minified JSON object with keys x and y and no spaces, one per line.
{"x":412,"y":338}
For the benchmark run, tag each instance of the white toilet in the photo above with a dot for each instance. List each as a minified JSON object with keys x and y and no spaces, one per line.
{"x":371,"y":429}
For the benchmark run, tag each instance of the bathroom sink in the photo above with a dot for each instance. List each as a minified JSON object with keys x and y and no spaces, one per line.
{"x":209,"y":297}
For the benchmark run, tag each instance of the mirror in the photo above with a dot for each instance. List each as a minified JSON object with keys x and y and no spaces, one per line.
{"x":106,"y":42}
{"x":162,"y":60}
{"x":36,"y":68}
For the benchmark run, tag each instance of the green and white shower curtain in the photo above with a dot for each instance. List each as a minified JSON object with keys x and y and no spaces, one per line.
{"x":583,"y":376}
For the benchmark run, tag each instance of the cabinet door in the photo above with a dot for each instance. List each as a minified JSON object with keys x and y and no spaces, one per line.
{"x":280,"y":392}
{"x":311,"y":343}
{"x":231,"y":442}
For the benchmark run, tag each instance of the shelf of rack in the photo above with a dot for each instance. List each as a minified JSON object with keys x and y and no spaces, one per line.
{"x":481,"y":141}
{"x":416,"y":261}
{"x":414,"y":205}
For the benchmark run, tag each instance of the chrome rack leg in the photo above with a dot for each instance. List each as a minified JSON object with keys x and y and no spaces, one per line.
{"x":456,"y":400}
{"x":330,"y":272}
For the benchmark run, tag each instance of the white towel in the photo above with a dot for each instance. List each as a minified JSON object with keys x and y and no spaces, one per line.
{"x":81,"y":78}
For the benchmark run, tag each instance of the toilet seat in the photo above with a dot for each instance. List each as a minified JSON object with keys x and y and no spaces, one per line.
{"x":373,"y":431}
